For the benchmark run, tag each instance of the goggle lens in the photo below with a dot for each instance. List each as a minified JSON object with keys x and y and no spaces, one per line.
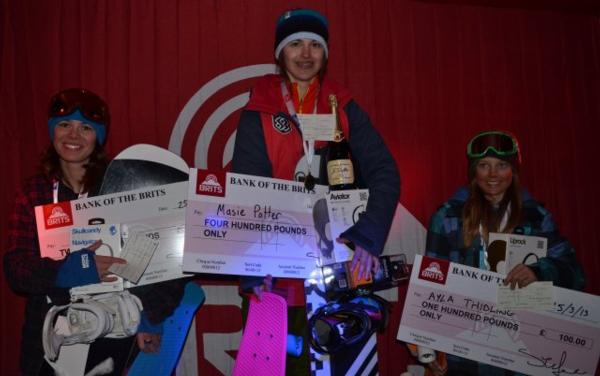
{"x":68,"y":101}
{"x":500,"y":143}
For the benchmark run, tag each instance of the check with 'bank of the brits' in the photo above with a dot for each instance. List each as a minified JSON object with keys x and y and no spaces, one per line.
{"x":157,"y":212}
{"x":450,"y":307}
{"x":249,"y":225}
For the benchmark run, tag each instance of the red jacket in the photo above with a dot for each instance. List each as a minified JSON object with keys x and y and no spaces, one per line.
{"x":283,"y":139}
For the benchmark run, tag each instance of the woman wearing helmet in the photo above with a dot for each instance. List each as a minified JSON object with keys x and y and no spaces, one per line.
{"x":494,"y":201}
{"x":71,"y":167}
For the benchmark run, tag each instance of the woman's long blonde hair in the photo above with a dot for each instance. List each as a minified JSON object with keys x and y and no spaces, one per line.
{"x":479,"y":211}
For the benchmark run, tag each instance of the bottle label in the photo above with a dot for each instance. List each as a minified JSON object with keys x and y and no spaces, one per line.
{"x":338,"y":136}
{"x":340,"y":171}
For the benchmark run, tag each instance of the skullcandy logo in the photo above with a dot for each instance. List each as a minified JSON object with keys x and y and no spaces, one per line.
{"x":434,"y":270}
{"x":281,"y":124}
{"x":57,"y":215}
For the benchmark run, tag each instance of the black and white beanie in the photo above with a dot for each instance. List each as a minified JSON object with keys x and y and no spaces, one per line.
{"x":301,"y":24}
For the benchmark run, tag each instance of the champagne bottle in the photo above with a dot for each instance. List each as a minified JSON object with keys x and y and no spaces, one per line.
{"x":340,"y":172}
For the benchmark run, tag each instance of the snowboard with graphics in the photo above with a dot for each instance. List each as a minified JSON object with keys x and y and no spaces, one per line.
{"x":143,"y":165}
{"x":361,"y":359}
{"x":140,"y":166}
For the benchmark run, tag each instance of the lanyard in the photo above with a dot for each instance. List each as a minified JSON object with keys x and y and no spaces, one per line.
{"x":307,"y":145}
{"x":55,"y":184}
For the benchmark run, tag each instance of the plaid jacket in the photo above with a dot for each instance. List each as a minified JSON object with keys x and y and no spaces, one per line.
{"x":444,"y":240}
{"x":33,"y":277}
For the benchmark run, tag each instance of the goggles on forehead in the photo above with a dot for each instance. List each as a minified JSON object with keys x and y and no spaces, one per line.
{"x":496,"y":142}
{"x":91,"y":106}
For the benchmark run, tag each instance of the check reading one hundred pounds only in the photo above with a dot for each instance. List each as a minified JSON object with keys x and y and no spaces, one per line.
{"x":451,"y":308}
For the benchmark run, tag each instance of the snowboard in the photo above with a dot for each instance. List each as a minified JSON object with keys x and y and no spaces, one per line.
{"x":141,"y":166}
{"x":263,"y":347}
{"x":176,"y":327}
{"x":361,"y":358}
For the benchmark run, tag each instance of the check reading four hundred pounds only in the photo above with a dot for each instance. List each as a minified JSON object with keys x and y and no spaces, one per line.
{"x":249,"y":225}
{"x":451,"y":308}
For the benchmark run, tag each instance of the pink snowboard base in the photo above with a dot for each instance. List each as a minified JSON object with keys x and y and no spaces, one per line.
{"x":263,"y":348}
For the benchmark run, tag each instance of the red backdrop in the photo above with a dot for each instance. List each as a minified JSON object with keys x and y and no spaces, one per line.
{"x":430,"y":73}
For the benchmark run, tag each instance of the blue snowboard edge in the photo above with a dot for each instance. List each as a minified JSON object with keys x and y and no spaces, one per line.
{"x":175,"y":332}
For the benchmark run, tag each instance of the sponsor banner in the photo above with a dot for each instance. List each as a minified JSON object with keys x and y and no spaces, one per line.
{"x":158,"y":212}
{"x":249,"y":225}
{"x":451,"y":308}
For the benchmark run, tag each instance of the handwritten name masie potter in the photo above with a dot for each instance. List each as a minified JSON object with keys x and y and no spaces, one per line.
{"x":258,"y":212}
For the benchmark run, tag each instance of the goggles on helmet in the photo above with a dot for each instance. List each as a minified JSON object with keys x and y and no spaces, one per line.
{"x":492,"y":142}
{"x":82,"y":105}
{"x":68,"y":101}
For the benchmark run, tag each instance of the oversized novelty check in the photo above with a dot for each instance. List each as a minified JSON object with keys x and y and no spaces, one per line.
{"x":249,"y":225}
{"x":451,"y":308}
{"x":158,"y":212}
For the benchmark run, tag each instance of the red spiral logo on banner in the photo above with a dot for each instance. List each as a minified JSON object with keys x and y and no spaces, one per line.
{"x":205,"y":128}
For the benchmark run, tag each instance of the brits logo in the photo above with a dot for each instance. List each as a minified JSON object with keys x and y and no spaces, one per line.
{"x":281,"y":124}
{"x":58,"y":215}
{"x":434,"y":270}
{"x":207,"y":183}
